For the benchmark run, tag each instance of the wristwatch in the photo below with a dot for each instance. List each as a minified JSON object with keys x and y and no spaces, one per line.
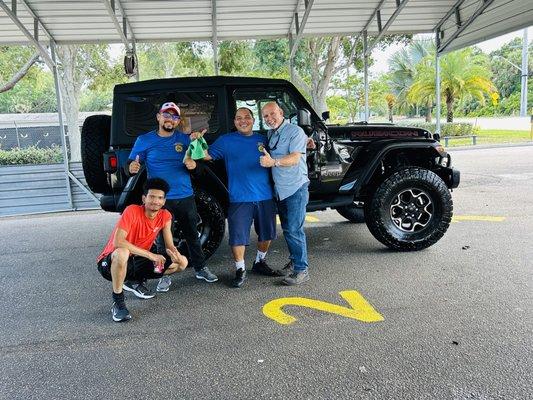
{"x":276,"y":163}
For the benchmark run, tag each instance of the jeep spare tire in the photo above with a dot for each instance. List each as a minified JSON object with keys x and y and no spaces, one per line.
{"x":410,"y":210}
{"x":211,"y":224}
{"x":95,"y":134}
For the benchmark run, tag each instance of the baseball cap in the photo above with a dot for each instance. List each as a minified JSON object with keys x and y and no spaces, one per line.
{"x":169,"y":106}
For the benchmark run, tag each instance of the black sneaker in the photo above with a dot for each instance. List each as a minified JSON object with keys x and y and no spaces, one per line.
{"x":138,"y":289}
{"x":261,"y":267}
{"x":119,"y":312}
{"x":240,"y":276}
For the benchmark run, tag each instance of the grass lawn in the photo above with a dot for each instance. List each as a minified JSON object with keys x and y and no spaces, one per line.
{"x":492,"y":136}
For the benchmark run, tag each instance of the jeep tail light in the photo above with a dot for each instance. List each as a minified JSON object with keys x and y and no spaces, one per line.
{"x":112,"y":161}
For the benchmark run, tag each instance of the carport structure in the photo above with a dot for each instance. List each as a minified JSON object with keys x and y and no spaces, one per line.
{"x":455,"y":24}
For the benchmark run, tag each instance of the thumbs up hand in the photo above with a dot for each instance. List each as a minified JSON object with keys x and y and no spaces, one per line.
{"x":135,"y":165}
{"x":265,"y":160}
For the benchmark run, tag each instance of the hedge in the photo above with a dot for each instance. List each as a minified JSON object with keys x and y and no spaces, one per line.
{"x":446,"y":129}
{"x":31,"y":155}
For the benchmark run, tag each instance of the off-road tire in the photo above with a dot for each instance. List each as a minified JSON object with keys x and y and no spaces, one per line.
{"x":94,"y":142}
{"x":211,"y":227}
{"x":352,"y":213}
{"x":428,"y":188}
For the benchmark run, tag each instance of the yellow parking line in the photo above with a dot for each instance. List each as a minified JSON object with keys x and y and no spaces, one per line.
{"x":486,"y":218}
{"x":308,"y":218}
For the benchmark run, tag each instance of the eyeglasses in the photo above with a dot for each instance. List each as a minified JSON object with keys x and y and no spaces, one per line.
{"x":170,"y":116}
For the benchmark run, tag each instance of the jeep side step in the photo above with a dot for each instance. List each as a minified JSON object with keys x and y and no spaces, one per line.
{"x":334,"y":202}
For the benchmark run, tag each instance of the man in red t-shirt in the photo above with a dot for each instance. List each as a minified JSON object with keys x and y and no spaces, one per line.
{"x":127,"y":261}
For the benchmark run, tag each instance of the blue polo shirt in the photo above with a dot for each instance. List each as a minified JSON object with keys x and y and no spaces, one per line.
{"x":248,"y":180}
{"x":163,"y":157}
{"x":288,"y":138}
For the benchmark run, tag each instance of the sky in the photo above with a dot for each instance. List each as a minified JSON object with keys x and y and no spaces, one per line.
{"x":381,"y":57}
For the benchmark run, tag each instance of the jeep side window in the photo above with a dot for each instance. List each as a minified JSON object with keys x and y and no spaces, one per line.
{"x":255,"y":99}
{"x":198,"y":111}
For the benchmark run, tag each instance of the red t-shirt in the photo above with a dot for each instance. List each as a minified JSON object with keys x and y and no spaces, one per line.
{"x":142,"y":231}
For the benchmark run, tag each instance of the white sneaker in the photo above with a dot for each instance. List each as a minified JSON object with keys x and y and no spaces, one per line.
{"x":164,"y":284}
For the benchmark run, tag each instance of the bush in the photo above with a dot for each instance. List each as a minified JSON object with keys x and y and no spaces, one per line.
{"x":447,"y":129}
{"x":31,"y":155}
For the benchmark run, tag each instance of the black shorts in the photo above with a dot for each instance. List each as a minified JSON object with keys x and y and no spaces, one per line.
{"x":139,"y":268}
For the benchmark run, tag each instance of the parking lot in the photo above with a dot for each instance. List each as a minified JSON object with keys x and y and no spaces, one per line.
{"x":454,"y":321}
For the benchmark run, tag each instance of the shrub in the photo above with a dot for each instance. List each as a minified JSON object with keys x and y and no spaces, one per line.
{"x":446,"y":129}
{"x":31,"y":155}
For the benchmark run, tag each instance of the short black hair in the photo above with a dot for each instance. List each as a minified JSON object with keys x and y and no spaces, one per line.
{"x":245,"y":108}
{"x":155,"y":183}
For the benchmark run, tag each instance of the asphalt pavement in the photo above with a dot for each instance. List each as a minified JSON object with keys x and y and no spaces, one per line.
{"x":454,"y":321}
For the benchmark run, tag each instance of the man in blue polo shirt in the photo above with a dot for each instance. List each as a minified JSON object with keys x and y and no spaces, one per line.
{"x":250,"y":193}
{"x":286,"y":157}
{"x":162,"y":151}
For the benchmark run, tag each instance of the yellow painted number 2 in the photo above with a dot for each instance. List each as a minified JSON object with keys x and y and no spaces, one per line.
{"x":359,"y":308}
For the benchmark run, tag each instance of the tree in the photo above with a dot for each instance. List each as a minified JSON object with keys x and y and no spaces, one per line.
{"x":77,"y":66}
{"x":463,"y":74}
{"x":235,"y":57}
{"x":402,"y":68}
{"x":391,"y":101}
{"x":168,"y":60}
{"x":25,"y":85}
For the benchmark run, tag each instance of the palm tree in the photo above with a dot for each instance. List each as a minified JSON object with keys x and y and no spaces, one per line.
{"x":402,"y":68}
{"x":463,"y":75}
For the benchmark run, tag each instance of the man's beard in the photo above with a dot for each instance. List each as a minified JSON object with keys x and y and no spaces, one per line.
{"x":171,"y":129}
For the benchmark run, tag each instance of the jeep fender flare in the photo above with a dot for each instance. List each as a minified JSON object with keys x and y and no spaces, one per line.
{"x":363,"y":172}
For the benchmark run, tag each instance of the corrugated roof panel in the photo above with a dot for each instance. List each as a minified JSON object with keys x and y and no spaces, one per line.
{"x":502,"y":17}
{"x":81,"y":21}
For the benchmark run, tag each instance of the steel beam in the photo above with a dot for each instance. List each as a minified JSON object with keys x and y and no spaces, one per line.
{"x":471,"y":19}
{"x":437,"y":88}
{"x":214,"y":38}
{"x":61,"y":125}
{"x":447,"y":16}
{"x":524,"y":73}
{"x":299,"y":24}
{"x":121,"y":29}
{"x":365,"y":63}
{"x":44,"y":53}
{"x":399,"y":7}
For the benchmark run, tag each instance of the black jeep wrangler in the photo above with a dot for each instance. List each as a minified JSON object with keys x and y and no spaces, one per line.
{"x":396,"y":179}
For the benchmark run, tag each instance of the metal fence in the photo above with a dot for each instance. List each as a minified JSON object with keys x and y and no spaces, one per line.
{"x":32,"y":189}
{"x":38,"y":136}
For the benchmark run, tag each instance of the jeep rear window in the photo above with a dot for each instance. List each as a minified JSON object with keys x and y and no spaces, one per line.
{"x":198,"y":111}
{"x":255,"y":99}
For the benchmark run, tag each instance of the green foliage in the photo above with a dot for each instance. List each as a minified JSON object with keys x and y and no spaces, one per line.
{"x":31,"y":155}
{"x":402,"y":70}
{"x":166,"y":60}
{"x":33,"y":93}
{"x":447,"y":129}
{"x":464,"y":74}
{"x":235,"y":57}
{"x":506,"y":75}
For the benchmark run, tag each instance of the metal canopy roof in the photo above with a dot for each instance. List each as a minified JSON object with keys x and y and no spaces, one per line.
{"x":459,"y":22}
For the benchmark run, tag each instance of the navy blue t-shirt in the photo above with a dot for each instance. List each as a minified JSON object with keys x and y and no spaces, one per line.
{"x":248,"y":180}
{"x":163,"y":157}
